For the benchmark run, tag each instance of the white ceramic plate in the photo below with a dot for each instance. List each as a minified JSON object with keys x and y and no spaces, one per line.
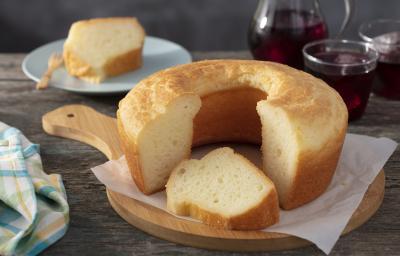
{"x":157,"y":54}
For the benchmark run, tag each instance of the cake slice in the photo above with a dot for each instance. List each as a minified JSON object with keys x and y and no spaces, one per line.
{"x":224,"y":190}
{"x":103,"y":47}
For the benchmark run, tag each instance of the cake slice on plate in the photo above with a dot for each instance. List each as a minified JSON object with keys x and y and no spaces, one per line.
{"x":103,"y":47}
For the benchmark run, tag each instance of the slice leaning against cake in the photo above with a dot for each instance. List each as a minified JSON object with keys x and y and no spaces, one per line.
{"x":103,"y":47}
{"x":225,"y":190}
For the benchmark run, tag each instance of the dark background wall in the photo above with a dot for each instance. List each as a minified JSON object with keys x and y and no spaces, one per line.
{"x":197,"y":25}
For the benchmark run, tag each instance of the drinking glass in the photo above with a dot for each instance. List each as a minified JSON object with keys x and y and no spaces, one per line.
{"x":385,"y":36}
{"x":347,"y":66}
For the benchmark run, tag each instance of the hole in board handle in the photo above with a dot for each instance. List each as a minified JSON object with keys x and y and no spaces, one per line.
{"x":70,"y":115}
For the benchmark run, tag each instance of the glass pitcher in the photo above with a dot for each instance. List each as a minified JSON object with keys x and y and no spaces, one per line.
{"x":280,"y":29}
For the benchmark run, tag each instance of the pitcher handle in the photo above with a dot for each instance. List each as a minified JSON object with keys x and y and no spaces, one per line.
{"x":349,"y":10}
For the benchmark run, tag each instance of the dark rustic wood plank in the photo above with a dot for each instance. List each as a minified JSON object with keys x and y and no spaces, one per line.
{"x":95,"y":228}
{"x":10,"y":67}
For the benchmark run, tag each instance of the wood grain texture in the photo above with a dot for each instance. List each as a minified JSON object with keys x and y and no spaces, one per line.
{"x":10,"y":67}
{"x":84,"y":124}
{"x":96,"y":229}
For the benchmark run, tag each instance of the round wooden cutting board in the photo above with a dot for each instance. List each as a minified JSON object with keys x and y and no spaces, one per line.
{"x":84,"y":124}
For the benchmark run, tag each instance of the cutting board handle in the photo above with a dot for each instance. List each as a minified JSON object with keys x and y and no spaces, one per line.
{"x":84,"y":124}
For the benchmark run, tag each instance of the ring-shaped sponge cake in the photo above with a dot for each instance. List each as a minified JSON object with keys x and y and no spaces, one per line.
{"x":299,"y":121}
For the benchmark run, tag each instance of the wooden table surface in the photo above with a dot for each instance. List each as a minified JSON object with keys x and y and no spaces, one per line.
{"x":95,"y":229}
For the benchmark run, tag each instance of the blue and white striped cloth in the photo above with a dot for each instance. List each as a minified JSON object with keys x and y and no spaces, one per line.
{"x":34,"y":212}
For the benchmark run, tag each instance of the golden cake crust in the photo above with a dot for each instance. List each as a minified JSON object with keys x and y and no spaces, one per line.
{"x":117,"y":65}
{"x":312,"y":107}
{"x":261,"y":216}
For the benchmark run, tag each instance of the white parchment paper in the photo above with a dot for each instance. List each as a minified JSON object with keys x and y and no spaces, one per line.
{"x":321,"y":221}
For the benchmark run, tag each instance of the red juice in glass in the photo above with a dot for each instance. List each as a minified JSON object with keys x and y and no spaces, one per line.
{"x":388,"y":69}
{"x":346,"y":66}
{"x":283,"y":39}
{"x":354,"y":88}
{"x":389,"y":80}
{"x":385,"y":36}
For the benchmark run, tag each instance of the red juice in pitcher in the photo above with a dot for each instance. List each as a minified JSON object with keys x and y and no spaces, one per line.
{"x":283,"y":39}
